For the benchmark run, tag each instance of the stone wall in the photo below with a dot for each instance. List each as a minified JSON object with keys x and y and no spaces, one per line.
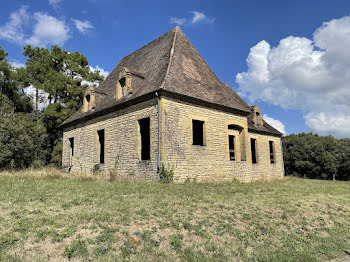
{"x":211,"y":162}
{"x":122,"y":142}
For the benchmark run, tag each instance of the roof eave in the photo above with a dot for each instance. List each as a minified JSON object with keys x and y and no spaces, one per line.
{"x":262,"y":132}
{"x":151,"y":95}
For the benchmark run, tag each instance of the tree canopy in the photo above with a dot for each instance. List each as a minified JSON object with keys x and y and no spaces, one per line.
{"x":60,"y":77}
{"x":318,"y":157}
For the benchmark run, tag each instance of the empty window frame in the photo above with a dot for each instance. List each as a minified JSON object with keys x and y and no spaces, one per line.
{"x":88,"y":102}
{"x":231,"y":146}
{"x":145,"y":136}
{"x":272,"y":152}
{"x":122,"y":83}
{"x":101,"y":146}
{"x":253,"y":150}
{"x":240,"y":139}
{"x":71,"y":150}
{"x":257,"y":115}
{"x":198,"y":132}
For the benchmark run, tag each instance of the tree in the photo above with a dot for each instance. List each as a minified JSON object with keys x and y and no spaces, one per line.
{"x":318,"y":157}
{"x":10,"y":86}
{"x":22,"y":137}
{"x":344,"y":159}
{"x":63,"y":76}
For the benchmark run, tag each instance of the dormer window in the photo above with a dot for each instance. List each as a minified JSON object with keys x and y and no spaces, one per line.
{"x":256,"y":118}
{"x":257,"y":115}
{"x":124,"y":88}
{"x":122,"y":83}
{"x":89,"y":99}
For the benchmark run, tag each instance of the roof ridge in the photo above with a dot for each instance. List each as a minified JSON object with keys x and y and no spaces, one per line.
{"x":172,"y":50}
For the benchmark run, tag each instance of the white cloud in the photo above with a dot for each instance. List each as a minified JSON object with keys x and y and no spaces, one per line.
{"x":177,"y":20}
{"x":43,"y":97}
{"x":17,"y":64}
{"x":13,"y":29}
{"x":275,"y":123}
{"x":312,"y":75}
{"x":54,"y":3}
{"x":102,"y":71}
{"x":329,"y":123}
{"x":82,"y":26}
{"x":48,"y":30}
{"x":197,"y":17}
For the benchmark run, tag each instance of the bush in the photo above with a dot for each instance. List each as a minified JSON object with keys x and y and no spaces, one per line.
{"x":57,"y":154}
{"x":317,"y":157}
{"x":166,"y":174}
{"x":22,"y":137}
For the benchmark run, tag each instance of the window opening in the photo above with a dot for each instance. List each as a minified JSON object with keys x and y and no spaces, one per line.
{"x":231,"y":142}
{"x":257,"y":114}
{"x":71,"y":153}
{"x":145,"y":138}
{"x":88,"y":101}
{"x":101,"y":141}
{"x":122,"y":83}
{"x":253,"y":149}
{"x":272,"y":153}
{"x":198,"y":132}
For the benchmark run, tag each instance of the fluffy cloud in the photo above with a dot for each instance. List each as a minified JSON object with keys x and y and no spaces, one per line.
{"x":48,"y":30}
{"x":17,"y":64}
{"x":309,"y":75}
{"x":82,"y":26}
{"x":102,"y":71}
{"x":275,"y":123}
{"x":177,"y":21}
{"x":197,"y":17}
{"x":54,"y":3}
{"x":13,"y":29}
{"x":43,"y":97}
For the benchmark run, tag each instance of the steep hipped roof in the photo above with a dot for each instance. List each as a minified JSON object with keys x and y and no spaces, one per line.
{"x":169,"y":63}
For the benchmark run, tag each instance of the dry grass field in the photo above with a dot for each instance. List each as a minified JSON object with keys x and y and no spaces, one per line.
{"x":45,"y":216}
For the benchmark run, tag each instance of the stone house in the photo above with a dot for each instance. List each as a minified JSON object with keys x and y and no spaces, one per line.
{"x":163,"y":105}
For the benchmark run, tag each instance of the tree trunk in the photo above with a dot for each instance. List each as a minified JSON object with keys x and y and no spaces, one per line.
{"x":36,"y":99}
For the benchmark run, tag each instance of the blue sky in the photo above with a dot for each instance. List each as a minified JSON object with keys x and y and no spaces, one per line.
{"x":286,"y":79}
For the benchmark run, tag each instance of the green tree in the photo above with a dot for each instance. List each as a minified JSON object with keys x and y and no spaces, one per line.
{"x":318,"y":157}
{"x":344,"y":159}
{"x":63,"y":76}
{"x":22,"y":137}
{"x":10,"y":86}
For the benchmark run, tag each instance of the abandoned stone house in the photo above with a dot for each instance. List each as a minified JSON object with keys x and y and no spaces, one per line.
{"x":163,"y":105}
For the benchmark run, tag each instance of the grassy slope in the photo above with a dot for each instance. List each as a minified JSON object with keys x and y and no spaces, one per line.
{"x":59,"y":219}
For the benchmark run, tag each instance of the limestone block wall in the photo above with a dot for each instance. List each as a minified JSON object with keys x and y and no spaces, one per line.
{"x":211,"y":161}
{"x":122,"y":142}
{"x":263,"y":169}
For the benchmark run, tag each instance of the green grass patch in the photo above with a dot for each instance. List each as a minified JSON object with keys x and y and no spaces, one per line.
{"x":65,"y":219}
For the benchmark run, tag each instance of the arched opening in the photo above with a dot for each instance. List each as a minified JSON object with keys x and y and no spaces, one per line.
{"x":236,"y":142}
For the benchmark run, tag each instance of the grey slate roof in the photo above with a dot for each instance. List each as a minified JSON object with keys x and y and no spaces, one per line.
{"x":169,"y":63}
